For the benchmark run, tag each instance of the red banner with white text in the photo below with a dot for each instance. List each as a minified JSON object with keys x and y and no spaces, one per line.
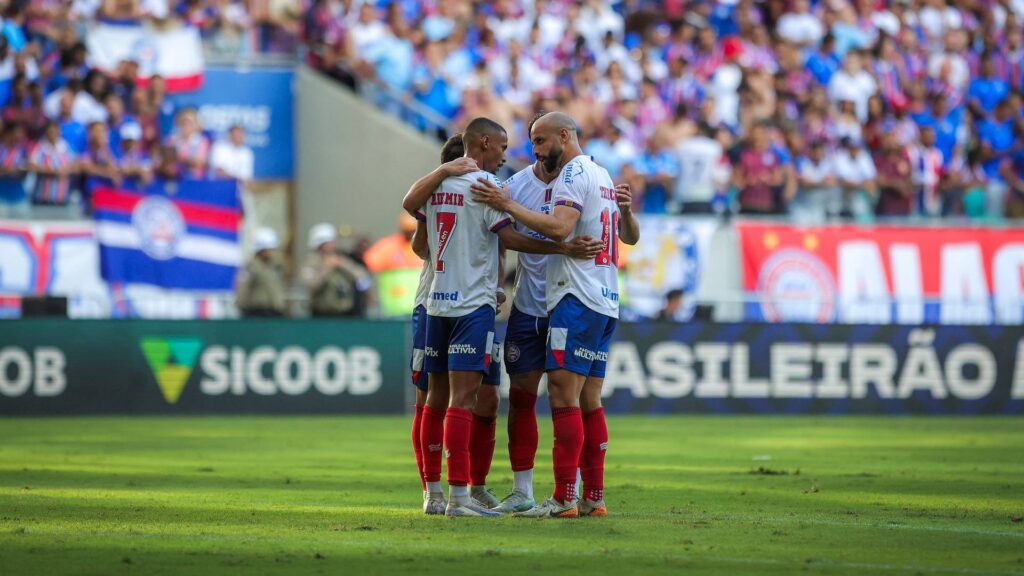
{"x":883,"y":274}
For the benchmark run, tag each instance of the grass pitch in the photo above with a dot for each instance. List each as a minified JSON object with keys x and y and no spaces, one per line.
{"x":687,"y":495}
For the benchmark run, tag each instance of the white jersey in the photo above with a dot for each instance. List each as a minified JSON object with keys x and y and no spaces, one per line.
{"x":698,"y":160}
{"x":426,"y":279}
{"x":532,"y":270}
{"x":463,"y":247}
{"x":587,"y":187}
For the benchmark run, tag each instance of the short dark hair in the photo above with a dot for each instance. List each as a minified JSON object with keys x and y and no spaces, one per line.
{"x":453,"y":148}
{"x":529,"y":127}
{"x":478,"y":128}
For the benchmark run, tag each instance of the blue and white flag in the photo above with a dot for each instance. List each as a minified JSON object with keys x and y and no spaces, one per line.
{"x":181,"y":235}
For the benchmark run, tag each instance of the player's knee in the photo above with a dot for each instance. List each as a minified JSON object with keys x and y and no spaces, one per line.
{"x":462,"y":397}
{"x":436,"y":400}
{"x":487,"y":402}
{"x":589,"y":402}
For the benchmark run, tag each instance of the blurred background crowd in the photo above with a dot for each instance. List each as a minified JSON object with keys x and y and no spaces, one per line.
{"x":804,"y":110}
{"x":822,"y":109}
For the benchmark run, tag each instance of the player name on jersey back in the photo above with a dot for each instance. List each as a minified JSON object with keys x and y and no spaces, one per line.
{"x":587,"y":187}
{"x":463,"y":247}
{"x":531,"y":271}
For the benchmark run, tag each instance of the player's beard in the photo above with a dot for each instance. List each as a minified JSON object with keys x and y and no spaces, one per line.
{"x":551,"y":159}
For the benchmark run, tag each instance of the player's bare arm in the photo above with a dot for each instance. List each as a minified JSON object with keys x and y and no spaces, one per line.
{"x":421,"y":190}
{"x":419,"y":241}
{"x":583,"y":248}
{"x":556,"y":226}
{"x":629,"y":226}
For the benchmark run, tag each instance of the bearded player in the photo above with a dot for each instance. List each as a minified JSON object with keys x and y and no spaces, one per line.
{"x":582,"y":304}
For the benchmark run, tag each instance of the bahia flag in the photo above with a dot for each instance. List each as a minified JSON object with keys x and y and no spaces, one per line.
{"x":180,"y":235}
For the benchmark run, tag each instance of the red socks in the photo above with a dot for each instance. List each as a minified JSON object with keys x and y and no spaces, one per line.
{"x":417,"y":450}
{"x":431,"y":440}
{"x":568,"y":424}
{"x":522,"y":429}
{"x":481,"y":448}
{"x":458,"y":423}
{"x":595,"y":445}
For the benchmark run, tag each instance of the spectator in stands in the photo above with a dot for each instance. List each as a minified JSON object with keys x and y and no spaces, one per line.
{"x":259,"y":288}
{"x":759,"y":174}
{"x":98,"y":160}
{"x":116,"y":118}
{"x":125,"y":83}
{"x":894,"y":180}
{"x":13,"y":164}
{"x":72,"y":131}
{"x":998,"y":137}
{"x":673,"y":310}
{"x":799,"y":26}
{"x":132,"y":160}
{"x":162,"y":107}
{"x":987,"y":90}
{"x":228,"y":27}
{"x":926,"y":165}
{"x":823,"y":63}
{"x":231,"y":158}
{"x":191,"y":146}
{"x":658,"y":167}
{"x":1012,"y":171}
{"x":856,"y":174}
{"x":337,"y":285}
{"x":51,"y":164}
{"x":819,"y":196}
{"x":963,"y":186}
{"x":121,"y":9}
{"x":88,"y":105}
{"x":699,"y":157}
{"x":853,"y":84}
{"x":168,"y":166}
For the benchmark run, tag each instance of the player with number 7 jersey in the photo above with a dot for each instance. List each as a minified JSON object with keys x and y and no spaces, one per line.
{"x":462,"y":236}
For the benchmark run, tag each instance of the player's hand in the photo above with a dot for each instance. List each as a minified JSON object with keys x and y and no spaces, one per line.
{"x":459,"y":166}
{"x":624,"y":195}
{"x":500,"y":297}
{"x":489,"y":193}
{"x":583,"y":247}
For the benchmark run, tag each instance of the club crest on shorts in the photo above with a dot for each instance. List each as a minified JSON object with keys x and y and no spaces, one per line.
{"x":512,"y":353}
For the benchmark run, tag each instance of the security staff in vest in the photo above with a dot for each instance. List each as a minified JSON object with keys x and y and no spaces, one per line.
{"x":337,"y":285}
{"x":259,"y":289}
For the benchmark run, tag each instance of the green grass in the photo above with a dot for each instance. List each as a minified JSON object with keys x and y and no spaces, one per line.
{"x":340,"y":496}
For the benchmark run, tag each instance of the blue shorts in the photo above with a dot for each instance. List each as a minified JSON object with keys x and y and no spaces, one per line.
{"x":463,"y":343}
{"x":493,"y":375}
{"x":419,"y":341}
{"x":525,"y":342}
{"x":578,"y":338}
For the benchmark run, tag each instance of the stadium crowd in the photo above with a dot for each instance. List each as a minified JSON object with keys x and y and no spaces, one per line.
{"x":63,"y":122}
{"x":816,"y":109}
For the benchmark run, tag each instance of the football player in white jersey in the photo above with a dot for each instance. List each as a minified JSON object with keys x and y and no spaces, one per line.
{"x":431,"y":401}
{"x":582,"y":304}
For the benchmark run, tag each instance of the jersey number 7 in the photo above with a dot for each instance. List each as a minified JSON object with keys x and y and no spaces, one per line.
{"x":445,"y":228}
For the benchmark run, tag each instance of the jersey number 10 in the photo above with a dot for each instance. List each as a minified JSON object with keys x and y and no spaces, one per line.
{"x":609,"y":255}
